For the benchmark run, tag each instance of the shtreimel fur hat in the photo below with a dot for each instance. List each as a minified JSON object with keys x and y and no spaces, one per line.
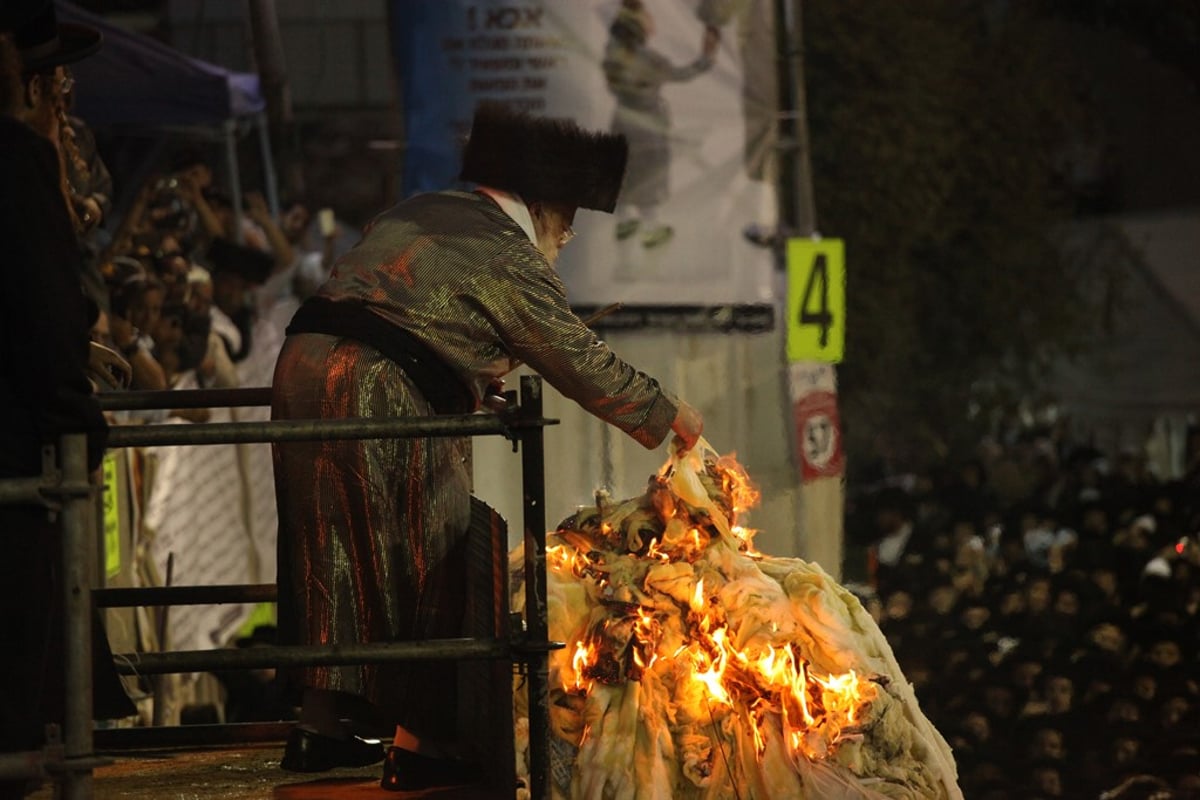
{"x":544,"y":159}
{"x":43,"y":41}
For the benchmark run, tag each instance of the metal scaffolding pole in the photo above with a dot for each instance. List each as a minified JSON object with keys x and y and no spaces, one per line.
{"x":536,"y":625}
{"x":308,"y":430}
{"x":25,"y":490}
{"x":187,"y":398}
{"x":307,"y":655}
{"x":68,"y":489}
{"x":79,"y":535}
{"x":253,"y":593}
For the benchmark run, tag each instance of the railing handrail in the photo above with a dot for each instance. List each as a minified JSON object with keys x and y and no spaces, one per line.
{"x":243,"y":397}
{"x":308,"y":430}
{"x":273,"y":656}
{"x":198,"y":595}
{"x":69,"y":486}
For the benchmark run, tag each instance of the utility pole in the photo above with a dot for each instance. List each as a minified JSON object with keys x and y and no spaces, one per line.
{"x":810,"y":383}
{"x":272,"y":72}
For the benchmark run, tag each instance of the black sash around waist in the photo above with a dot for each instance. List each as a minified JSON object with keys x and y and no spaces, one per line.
{"x":436,"y":381}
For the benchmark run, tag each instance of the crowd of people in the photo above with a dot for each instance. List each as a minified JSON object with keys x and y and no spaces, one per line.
{"x":178,"y":290}
{"x":185,"y":285}
{"x":1044,"y":600}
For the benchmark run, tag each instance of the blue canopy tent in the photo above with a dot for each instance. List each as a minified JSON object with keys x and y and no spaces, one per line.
{"x":138,"y":84}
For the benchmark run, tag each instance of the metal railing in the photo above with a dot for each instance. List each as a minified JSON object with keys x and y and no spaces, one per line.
{"x":68,"y":490}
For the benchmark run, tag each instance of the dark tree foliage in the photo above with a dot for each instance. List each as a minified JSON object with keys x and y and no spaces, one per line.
{"x":937,"y":130}
{"x":1168,"y":29}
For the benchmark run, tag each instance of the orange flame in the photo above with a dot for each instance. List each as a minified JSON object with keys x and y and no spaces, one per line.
{"x":735,"y":483}
{"x":654,"y":550}
{"x":709,"y":670}
{"x":770,"y":686}
{"x":585,"y":655}
{"x":647,"y":630}
{"x":559,"y":557}
{"x":697,"y":601}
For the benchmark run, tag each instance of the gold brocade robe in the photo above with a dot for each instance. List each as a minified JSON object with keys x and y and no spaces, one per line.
{"x":371,"y":533}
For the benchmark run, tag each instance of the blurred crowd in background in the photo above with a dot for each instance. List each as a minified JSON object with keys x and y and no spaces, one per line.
{"x":186,"y":285}
{"x":1044,"y":600}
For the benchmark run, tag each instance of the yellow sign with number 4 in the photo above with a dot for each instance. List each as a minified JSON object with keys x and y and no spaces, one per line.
{"x":816,"y":300}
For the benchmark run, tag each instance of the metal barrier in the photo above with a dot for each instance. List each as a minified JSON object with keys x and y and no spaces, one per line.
{"x":69,"y":490}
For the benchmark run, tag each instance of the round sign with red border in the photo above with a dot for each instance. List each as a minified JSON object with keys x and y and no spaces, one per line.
{"x":819,"y":435}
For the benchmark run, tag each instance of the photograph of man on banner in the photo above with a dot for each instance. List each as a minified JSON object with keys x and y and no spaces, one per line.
{"x":635,"y":75}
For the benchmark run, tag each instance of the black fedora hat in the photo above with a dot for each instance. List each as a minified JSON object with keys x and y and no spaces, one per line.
{"x":41,"y":39}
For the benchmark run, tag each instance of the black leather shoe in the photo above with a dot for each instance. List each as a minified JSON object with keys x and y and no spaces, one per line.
{"x":404,"y":770}
{"x":307,"y":751}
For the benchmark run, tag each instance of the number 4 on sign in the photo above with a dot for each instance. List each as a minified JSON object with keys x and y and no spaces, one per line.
{"x":816,"y":300}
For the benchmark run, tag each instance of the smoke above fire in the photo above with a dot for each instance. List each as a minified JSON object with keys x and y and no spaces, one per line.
{"x":697,"y":667}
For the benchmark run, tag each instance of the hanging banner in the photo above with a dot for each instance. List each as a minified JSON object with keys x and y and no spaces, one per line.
{"x":690,"y":83}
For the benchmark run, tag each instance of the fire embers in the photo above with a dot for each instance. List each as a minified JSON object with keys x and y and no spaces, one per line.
{"x":696,"y":667}
{"x":687,"y":643}
{"x":686,"y":668}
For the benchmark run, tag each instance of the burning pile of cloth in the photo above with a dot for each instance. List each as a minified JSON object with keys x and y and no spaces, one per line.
{"x":696,"y":667}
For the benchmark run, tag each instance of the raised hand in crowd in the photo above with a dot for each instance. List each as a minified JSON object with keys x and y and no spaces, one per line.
{"x":106,"y":369}
{"x":260,"y":214}
{"x":134,"y":222}
{"x":191,"y":184}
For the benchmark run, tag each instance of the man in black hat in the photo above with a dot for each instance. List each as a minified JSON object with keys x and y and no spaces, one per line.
{"x":446,"y":292}
{"x":44,"y":391}
{"x":47,"y":47}
{"x":236,"y":269}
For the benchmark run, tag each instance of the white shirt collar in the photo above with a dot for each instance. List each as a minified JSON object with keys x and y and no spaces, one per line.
{"x":515,"y":207}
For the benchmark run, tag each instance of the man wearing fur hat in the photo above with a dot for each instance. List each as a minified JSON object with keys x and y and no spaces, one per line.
{"x":443,"y":295}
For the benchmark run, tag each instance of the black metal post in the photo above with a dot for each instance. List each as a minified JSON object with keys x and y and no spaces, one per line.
{"x":217,"y":594}
{"x":189,"y":398}
{"x":533,"y":471}
{"x":78,"y":526}
{"x":25,"y":490}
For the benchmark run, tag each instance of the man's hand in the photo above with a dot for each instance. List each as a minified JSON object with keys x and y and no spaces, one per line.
{"x":107,"y":369}
{"x":688,"y":426}
{"x":494,"y":398}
